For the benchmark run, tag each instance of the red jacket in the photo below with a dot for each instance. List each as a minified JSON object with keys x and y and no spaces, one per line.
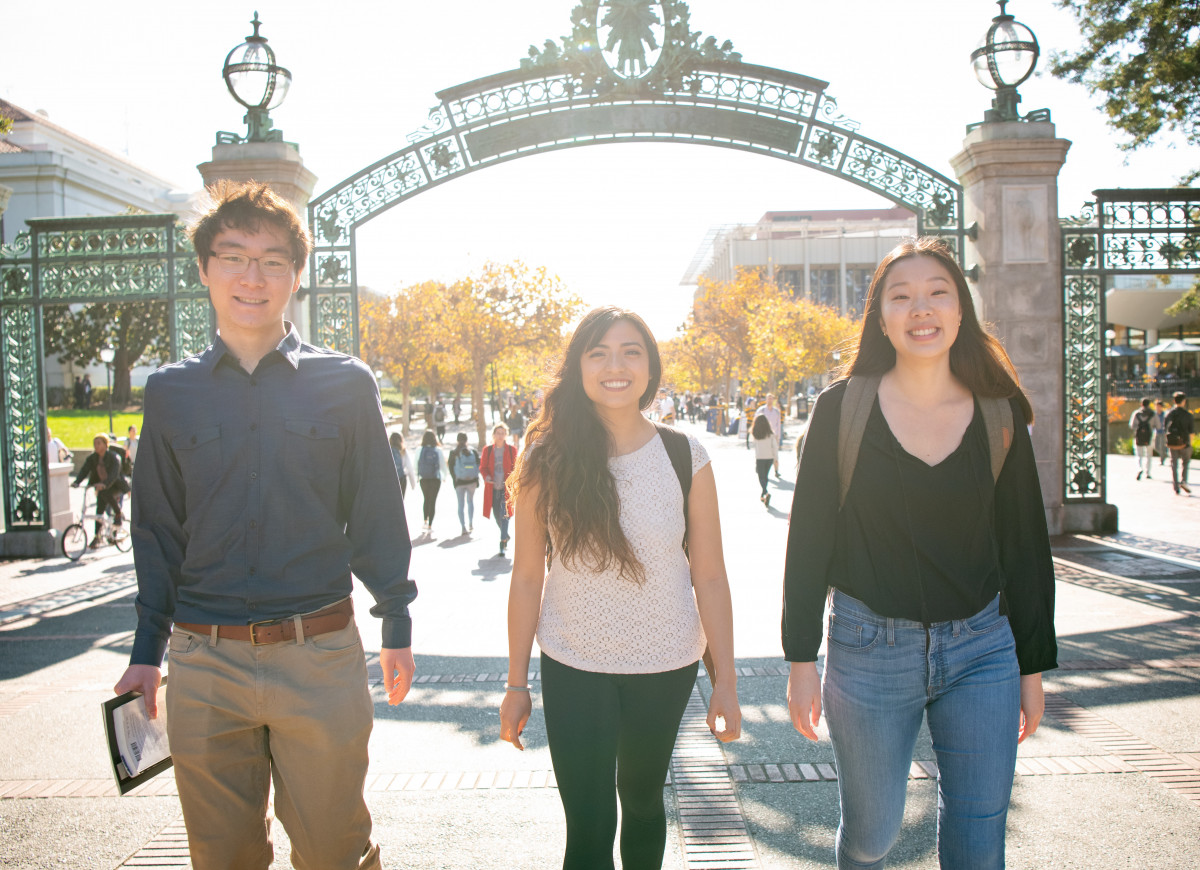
{"x":487,"y":468}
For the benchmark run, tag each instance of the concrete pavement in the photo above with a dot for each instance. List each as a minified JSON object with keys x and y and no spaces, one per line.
{"x":1112,"y":778}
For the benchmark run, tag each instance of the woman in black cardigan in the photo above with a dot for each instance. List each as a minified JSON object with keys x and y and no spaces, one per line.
{"x":936,"y":565}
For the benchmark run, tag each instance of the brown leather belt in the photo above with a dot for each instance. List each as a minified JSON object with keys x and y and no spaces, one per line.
{"x":335,"y":617}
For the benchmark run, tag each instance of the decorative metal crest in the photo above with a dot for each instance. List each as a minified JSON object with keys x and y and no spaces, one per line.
{"x":614,"y":48}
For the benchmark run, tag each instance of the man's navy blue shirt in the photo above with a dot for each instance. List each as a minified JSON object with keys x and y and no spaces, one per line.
{"x":257,"y":495}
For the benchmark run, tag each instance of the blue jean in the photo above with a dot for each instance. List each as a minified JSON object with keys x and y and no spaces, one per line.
{"x":466,"y":495}
{"x":881,"y":677}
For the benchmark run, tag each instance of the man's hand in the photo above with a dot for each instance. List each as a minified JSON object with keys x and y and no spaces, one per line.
{"x":398,"y":668}
{"x":144,"y":679}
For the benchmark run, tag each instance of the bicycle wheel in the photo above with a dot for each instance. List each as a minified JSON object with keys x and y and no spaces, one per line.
{"x":120,"y":539}
{"x":74,"y":541}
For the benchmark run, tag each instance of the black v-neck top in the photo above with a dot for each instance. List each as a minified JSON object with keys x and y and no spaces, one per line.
{"x":930,"y":543}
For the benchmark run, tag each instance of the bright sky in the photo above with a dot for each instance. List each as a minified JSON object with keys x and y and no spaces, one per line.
{"x":619,"y":223}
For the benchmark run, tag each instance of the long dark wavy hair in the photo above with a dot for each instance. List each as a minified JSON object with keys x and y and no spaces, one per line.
{"x":566,"y":456}
{"x":977,"y":358}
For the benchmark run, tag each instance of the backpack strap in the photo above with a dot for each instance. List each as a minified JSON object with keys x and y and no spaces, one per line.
{"x":998,"y":419}
{"x":679,"y":450}
{"x":856,"y":408}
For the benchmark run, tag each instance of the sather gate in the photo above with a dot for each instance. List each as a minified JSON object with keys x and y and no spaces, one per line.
{"x":627,"y":72}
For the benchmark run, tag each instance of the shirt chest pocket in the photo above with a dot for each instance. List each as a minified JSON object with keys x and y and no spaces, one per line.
{"x":199,"y":456}
{"x":312,"y":448}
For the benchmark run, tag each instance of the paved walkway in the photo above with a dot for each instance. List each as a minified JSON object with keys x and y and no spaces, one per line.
{"x":1112,"y":779}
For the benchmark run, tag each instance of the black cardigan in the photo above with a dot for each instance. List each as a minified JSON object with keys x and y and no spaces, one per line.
{"x":919,"y":542}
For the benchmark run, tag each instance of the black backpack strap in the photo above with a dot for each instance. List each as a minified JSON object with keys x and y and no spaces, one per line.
{"x":679,"y":450}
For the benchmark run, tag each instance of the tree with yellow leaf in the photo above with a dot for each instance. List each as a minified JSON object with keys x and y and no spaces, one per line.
{"x":506,"y":313}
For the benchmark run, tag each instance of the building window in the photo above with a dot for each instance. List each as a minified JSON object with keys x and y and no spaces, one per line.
{"x":791,"y":280}
{"x":858,"y":281}
{"x":824,"y":283}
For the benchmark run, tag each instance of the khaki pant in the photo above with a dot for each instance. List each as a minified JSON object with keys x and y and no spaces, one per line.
{"x":300,"y":714}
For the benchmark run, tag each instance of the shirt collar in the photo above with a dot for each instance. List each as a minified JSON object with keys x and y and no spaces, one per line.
{"x":288,"y":348}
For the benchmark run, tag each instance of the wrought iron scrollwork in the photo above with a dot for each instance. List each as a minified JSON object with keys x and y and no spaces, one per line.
{"x":25,"y":474}
{"x":335,"y":321}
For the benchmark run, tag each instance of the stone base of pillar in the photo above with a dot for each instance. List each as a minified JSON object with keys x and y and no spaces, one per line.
{"x":29,"y":545}
{"x":1093,"y":517}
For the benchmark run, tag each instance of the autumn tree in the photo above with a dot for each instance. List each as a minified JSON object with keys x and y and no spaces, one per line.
{"x":394,"y":337}
{"x":792,"y":339}
{"x":754,"y":330}
{"x":433,"y":333}
{"x":1143,"y":58}
{"x":722,"y":318}
{"x":691,"y":359}
{"x":506,"y":311}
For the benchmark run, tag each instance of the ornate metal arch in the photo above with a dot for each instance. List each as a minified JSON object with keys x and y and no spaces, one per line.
{"x":696,"y":91}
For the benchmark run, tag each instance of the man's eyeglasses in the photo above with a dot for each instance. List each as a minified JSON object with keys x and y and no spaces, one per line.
{"x":272,"y":266}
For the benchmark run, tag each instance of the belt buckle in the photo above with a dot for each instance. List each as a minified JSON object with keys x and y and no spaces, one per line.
{"x":254,"y":625}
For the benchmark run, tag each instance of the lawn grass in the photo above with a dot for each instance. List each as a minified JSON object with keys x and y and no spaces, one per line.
{"x":77,"y":428}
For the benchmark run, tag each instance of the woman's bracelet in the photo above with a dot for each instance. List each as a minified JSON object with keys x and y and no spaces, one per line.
{"x":509,"y":688}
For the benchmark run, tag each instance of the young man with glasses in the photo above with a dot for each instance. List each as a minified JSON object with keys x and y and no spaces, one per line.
{"x":264,"y":480}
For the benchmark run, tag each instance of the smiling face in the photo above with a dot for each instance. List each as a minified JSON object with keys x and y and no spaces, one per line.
{"x":250,"y":305}
{"x":616,"y":372}
{"x":919,"y":308}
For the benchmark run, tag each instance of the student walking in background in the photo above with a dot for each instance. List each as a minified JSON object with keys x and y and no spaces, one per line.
{"x":922,"y":511}
{"x":429,"y":473}
{"x":620,"y":616}
{"x":766,"y":454}
{"x":774,"y":416}
{"x":403,"y":462}
{"x":463,"y":464}
{"x":1160,"y":431}
{"x":1180,"y":425}
{"x":497,"y":463}
{"x":1142,"y":424}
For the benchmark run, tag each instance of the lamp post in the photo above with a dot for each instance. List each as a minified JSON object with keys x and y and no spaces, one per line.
{"x":1006,"y":58}
{"x":107,"y":355}
{"x":258,"y":83}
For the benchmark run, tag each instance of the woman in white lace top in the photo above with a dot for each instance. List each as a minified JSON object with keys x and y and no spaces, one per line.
{"x":620,"y":615}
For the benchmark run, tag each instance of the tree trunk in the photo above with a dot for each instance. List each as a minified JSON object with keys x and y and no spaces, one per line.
{"x":478,"y":370}
{"x":405,"y":404}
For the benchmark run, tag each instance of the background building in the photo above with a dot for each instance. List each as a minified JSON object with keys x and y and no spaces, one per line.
{"x":825,"y":256}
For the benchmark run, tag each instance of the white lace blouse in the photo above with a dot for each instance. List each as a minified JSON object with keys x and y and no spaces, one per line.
{"x":601,"y":622}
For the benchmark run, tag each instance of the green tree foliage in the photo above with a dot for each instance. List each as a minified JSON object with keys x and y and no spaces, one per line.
{"x":1143,"y":56}
{"x":137,"y":332}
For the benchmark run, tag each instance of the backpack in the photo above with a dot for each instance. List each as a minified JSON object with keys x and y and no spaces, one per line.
{"x":1141,"y":431}
{"x":123,"y":455}
{"x":439,"y":413}
{"x":679,"y":451}
{"x":466,"y":465}
{"x":1177,"y":430}
{"x":427,"y":463}
{"x":856,"y":408}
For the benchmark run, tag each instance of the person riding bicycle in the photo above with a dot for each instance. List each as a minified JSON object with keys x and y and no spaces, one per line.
{"x":103,"y":471}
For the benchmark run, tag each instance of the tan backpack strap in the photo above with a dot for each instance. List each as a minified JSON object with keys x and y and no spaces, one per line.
{"x":998,"y":419}
{"x":856,"y":408}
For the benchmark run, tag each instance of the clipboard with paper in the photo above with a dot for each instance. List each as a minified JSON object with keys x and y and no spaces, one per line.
{"x":137,"y":744}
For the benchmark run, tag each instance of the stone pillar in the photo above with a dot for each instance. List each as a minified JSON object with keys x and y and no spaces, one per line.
{"x":1009,"y":172}
{"x":280,"y":165}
